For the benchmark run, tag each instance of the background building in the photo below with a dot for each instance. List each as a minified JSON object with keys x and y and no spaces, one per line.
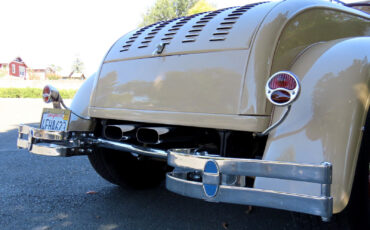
{"x":17,"y":68}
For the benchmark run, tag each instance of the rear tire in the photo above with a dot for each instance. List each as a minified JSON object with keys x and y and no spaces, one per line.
{"x":123,"y":169}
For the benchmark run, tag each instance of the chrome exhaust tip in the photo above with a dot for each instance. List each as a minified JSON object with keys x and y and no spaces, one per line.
{"x":151,"y":135}
{"x":118,"y":132}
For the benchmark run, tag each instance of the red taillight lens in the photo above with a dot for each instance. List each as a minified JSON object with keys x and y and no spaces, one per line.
{"x":280,"y":96}
{"x":46,"y":94}
{"x":283,"y":81}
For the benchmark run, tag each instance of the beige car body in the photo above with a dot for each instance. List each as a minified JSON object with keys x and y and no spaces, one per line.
{"x":220,"y":84}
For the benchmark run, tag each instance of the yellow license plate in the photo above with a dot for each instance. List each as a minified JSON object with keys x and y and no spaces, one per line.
{"x":55,"y":119}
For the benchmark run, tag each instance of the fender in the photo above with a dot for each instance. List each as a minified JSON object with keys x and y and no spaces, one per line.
{"x":80,"y":105}
{"x":326,"y":122}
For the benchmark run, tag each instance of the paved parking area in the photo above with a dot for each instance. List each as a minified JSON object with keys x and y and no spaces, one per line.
{"x":41,"y":193}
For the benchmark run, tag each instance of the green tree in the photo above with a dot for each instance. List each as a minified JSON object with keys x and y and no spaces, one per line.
{"x":167,"y":9}
{"x":54,"y":69}
{"x":77,"y":66}
{"x":200,"y":6}
{"x":182,"y":6}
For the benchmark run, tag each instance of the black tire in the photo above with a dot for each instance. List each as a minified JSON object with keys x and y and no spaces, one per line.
{"x":357,"y":210}
{"x":127,"y":171}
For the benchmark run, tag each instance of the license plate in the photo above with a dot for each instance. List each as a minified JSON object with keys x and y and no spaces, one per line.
{"x":55,"y":119}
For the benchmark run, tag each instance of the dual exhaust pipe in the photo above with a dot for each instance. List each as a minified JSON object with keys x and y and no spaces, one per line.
{"x":144,"y":135}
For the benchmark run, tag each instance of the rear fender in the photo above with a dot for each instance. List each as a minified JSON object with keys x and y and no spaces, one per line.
{"x":80,"y":105}
{"x":326,"y":122}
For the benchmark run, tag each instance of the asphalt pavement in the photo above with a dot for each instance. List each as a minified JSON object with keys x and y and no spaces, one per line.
{"x":40,"y":193}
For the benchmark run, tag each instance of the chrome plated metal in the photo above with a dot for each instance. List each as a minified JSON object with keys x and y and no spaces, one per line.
{"x":75,"y":143}
{"x":251,"y":167}
{"x":213,"y":170}
{"x":52,"y":96}
{"x":55,"y":97}
{"x":159,"y":49}
{"x":66,"y":107}
{"x":48,"y":149}
{"x":123,"y":129}
{"x":325,"y":188}
{"x":177,"y":181}
{"x":294,"y":93}
{"x":154,"y":136}
{"x":145,"y":151}
{"x":276,"y":124}
{"x":41,"y":133}
{"x":315,"y":205}
{"x":50,"y":143}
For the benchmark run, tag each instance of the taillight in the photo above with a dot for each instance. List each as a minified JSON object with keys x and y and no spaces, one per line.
{"x":284,"y":81}
{"x":46,"y":94}
{"x":282,"y":88}
{"x":50,"y":94}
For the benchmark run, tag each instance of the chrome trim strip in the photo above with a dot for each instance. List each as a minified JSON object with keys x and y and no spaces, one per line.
{"x":259,"y":168}
{"x":314,"y":205}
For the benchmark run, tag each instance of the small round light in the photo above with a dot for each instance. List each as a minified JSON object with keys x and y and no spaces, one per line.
{"x":282,"y":88}
{"x":46,"y":94}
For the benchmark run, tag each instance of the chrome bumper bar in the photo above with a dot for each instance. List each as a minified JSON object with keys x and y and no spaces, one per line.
{"x":49,"y":143}
{"x":213,"y":171}
{"x":212,"y":188}
{"x":65,"y":144}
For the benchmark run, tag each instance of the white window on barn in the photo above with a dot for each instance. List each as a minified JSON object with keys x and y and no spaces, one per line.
{"x":22,"y":71}
{"x":13,"y":68}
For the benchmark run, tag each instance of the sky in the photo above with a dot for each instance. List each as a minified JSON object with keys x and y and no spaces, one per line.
{"x":46,"y":32}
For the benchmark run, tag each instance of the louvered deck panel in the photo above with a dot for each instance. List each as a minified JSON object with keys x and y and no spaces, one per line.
{"x":204,"y":32}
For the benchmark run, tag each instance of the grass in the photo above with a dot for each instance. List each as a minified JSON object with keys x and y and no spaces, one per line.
{"x":32,"y":93}
{"x":3,"y":73}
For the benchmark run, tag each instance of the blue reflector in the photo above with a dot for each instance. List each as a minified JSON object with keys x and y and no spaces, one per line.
{"x":211,"y":189}
{"x":210,"y":167}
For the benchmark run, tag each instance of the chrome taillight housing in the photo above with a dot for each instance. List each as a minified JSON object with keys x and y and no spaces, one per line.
{"x":46,"y":94}
{"x":50,"y":94}
{"x":282,"y":88}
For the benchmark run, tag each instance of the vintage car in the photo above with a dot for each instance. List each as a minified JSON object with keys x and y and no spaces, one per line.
{"x":262,"y":105}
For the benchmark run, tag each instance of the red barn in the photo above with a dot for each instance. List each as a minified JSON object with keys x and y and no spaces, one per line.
{"x":17,"y":68}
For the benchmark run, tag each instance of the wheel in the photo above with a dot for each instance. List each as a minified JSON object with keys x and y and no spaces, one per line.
{"x":123,"y":169}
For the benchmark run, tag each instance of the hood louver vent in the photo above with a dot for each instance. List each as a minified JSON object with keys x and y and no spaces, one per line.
{"x":228,"y":22}
{"x":132,"y":39}
{"x":174,"y":28}
{"x":197,"y":28}
{"x":153,"y":32}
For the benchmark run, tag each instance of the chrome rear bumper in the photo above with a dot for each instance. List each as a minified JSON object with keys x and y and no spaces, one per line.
{"x":213,"y":171}
{"x":178,"y":182}
{"x":65,"y":144}
{"x":48,"y":143}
